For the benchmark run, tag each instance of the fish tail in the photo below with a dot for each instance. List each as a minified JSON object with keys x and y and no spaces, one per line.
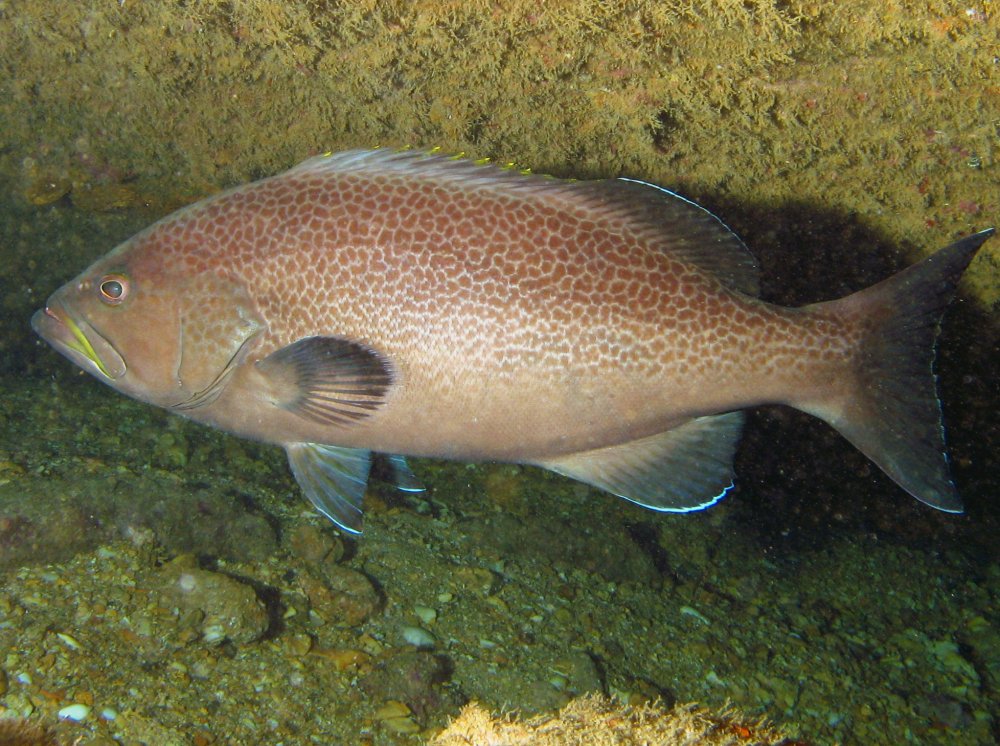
{"x":890,"y":410}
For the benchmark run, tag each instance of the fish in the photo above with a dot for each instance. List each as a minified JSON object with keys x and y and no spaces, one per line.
{"x":386,"y":304}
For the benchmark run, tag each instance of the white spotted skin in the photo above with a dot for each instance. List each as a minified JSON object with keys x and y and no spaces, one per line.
{"x":521,"y":321}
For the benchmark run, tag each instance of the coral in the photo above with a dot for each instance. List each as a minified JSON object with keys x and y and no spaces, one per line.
{"x":16,"y":732}
{"x":597,"y":721}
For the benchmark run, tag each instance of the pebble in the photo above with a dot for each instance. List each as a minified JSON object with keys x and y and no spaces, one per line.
{"x":418,"y":637}
{"x":396,"y":716}
{"x":426,"y":614}
{"x":75,"y":712}
{"x":69,"y":641}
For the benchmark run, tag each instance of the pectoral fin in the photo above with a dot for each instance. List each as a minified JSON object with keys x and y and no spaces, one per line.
{"x":334,"y":480}
{"x":684,"y":469}
{"x":328,"y":380}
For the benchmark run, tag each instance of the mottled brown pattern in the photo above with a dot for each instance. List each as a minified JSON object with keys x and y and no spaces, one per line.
{"x":509,"y":317}
{"x":525,"y":316}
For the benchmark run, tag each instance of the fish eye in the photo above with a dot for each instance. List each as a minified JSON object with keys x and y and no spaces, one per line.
{"x":113,"y":289}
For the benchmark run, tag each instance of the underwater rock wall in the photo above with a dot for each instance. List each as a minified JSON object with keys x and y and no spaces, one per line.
{"x":881,"y":113}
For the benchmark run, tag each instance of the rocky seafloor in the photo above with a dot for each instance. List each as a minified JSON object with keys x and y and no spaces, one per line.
{"x":166,"y":584}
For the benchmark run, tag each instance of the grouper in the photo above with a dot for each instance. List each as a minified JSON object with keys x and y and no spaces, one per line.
{"x":407,"y":303}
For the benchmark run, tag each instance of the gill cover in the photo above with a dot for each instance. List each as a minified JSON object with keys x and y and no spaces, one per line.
{"x":217,"y":323}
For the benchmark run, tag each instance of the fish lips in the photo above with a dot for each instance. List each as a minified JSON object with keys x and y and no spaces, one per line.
{"x":78,"y":341}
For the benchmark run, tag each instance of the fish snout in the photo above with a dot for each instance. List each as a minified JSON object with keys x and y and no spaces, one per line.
{"x":78,"y":341}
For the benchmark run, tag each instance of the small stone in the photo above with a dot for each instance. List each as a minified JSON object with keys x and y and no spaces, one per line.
{"x":397,"y":717}
{"x":77,"y":712}
{"x":426,"y":614}
{"x":69,"y":641}
{"x":418,"y":637}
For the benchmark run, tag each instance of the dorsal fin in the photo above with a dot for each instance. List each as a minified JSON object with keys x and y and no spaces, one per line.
{"x":684,"y":229}
{"x":422,"y":164}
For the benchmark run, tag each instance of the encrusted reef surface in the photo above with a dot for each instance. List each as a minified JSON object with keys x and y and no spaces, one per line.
{"x":880,"y":113}
{"x":161,"y":583}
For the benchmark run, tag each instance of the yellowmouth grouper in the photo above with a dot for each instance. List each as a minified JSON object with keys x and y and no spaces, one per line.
{"x":411,"y":304}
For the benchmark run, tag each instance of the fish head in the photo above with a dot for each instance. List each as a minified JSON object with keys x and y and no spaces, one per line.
{"x":155,"y":332}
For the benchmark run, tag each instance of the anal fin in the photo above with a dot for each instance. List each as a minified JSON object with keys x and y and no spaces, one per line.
{"x":680,"y":470}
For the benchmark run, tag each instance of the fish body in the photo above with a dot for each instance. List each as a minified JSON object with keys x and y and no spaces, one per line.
{"x":408,"y":303}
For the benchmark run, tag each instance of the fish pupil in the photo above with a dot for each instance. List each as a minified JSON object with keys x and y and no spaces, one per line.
{"x":112,"y":290}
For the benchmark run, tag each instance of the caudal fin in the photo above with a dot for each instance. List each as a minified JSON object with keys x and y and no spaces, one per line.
{"x":893,"y":415}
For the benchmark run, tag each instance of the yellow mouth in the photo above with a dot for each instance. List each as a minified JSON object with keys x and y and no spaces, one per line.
{"x":82,"y":345}
{"x":78,"y":341}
